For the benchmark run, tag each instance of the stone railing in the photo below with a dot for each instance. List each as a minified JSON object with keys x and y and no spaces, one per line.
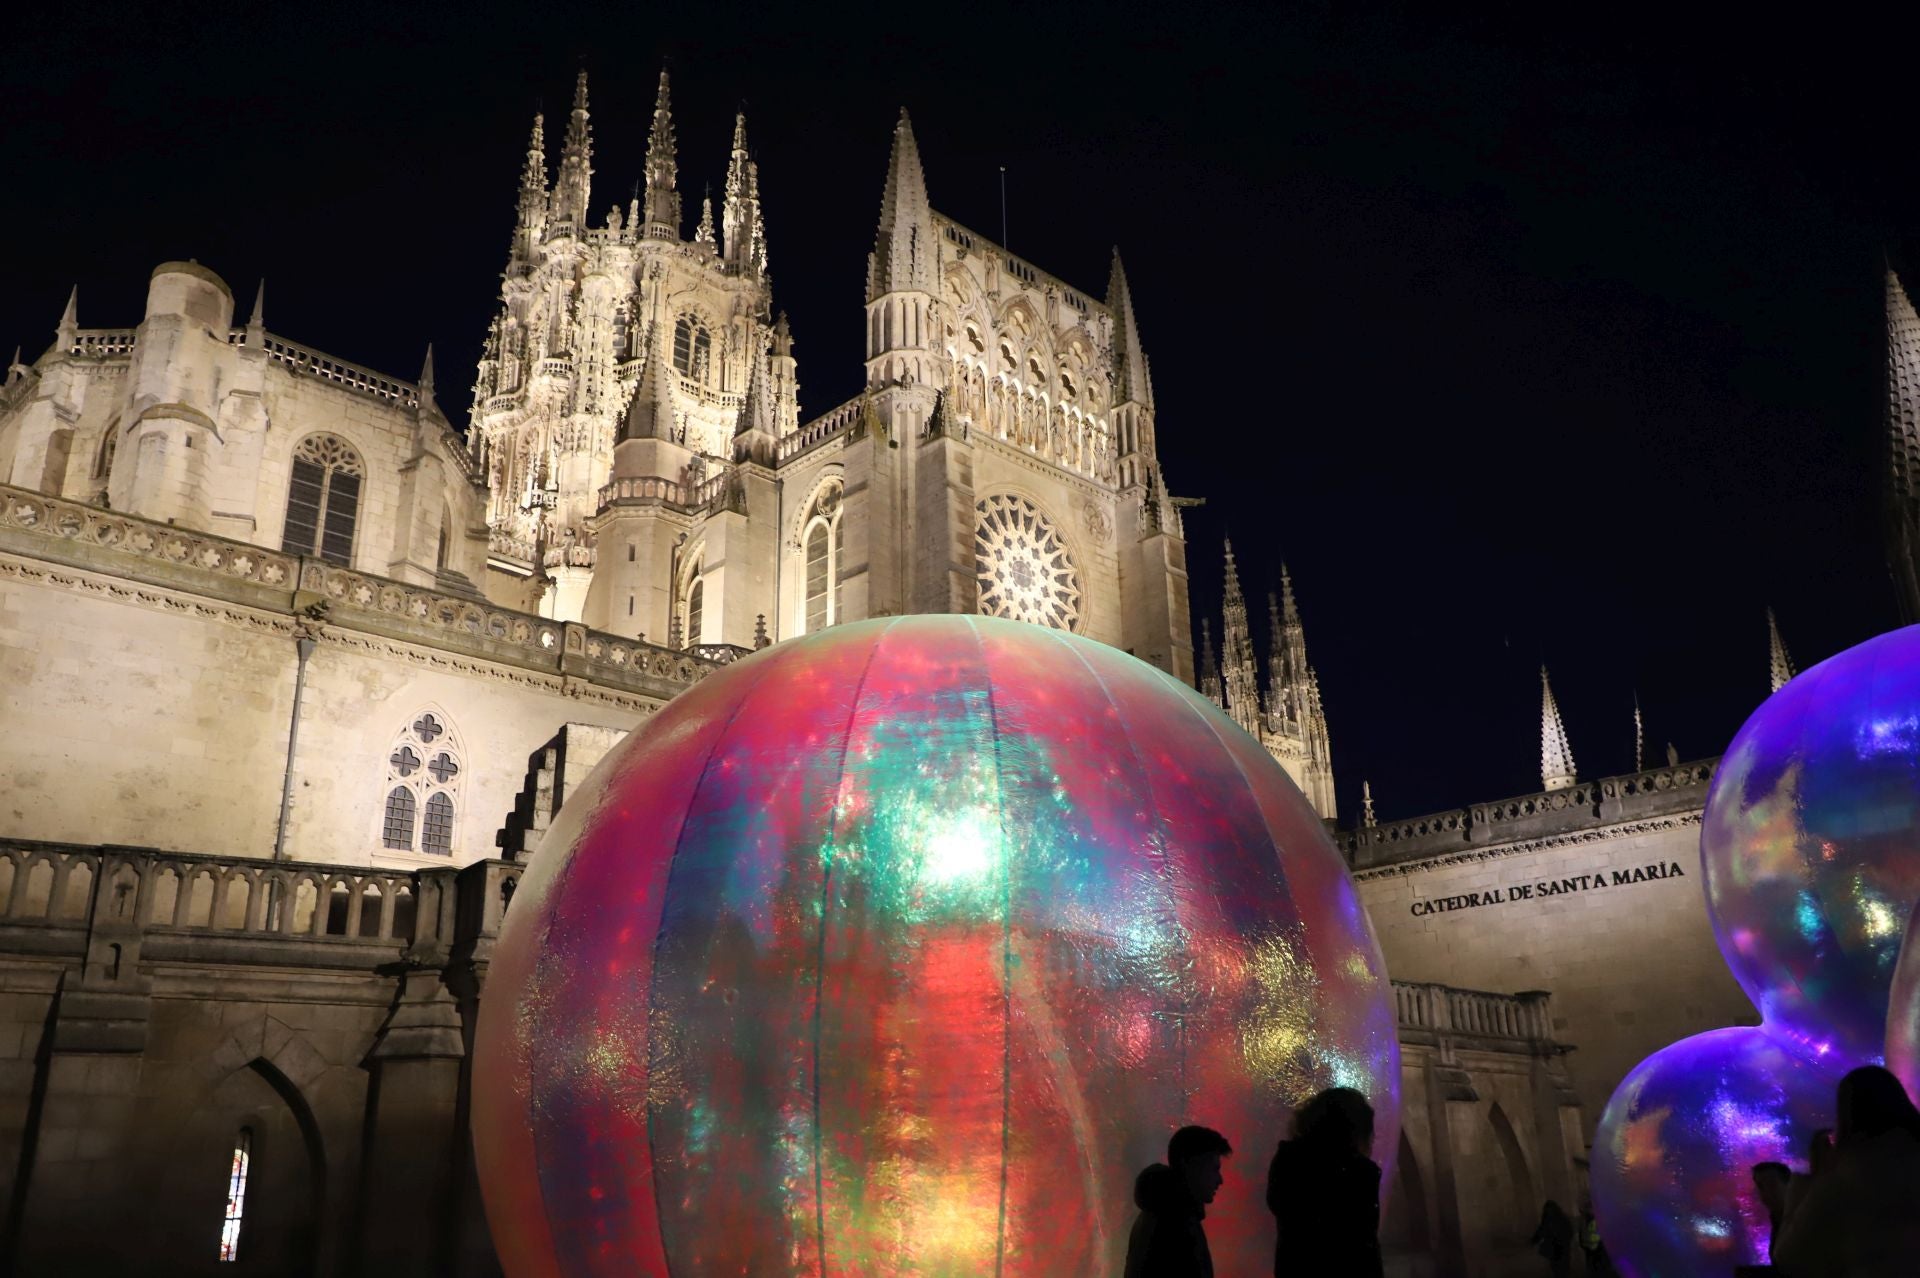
{"x":1606,"y":801}
{"x":163,"y":545}
{"x":820,"y":429}
{"x":57,"y":896}
{"x":127,"y":887}
{"x":507,"y":546}
{"x":318,"y":364}
{"x":1442,"y":1009}
{"x":98,"y":343}
{"x":720,"y":654}
{"x":86,"y":537}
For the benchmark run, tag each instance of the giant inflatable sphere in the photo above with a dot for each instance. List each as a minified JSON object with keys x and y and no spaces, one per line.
{"x":1672,"y":1173}
{"x":900,"y":949}
{"x":1811,"y":845}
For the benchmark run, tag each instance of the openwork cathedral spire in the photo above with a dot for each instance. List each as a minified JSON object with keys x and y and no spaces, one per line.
{"x":1132,"y":383}
{"x":573,"y":186}
{"x":1237,"y":669}
{"x":902,"y":259}
{"x":1903,"y":448}
{"x":746,"y":234}
{"x":1779,"y":664}
{"x":663,"y":200}
{"x":1556,"y":755}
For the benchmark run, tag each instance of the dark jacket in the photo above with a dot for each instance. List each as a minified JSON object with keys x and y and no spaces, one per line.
{"x":1327,"y":1205}
{"x":1168,"y":1240}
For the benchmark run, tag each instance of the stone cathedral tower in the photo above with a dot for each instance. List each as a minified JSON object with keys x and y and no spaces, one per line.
{"x":636,"y":417}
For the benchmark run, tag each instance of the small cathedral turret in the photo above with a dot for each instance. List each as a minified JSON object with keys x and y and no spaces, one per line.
{"x":530,"y":220}
{"x":573,"y":184}
{"x":1132,"y":387}
{"x":662,"y":212}
{"x":745,"y":233}
{"x":753,"y":435}
{"x":1556,"y":755}
{"x":1239,"y":674}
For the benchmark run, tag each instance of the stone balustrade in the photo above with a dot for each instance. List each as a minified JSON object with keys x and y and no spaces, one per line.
{"x":1444,"y":1010}
{"x":820,"y":429}
{"x":1636,"y":796}
{"x":318,"y":364}
{"x":99,"y":343}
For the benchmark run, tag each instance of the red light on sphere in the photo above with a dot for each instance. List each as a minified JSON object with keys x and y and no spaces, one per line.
{"x":920,"y":958}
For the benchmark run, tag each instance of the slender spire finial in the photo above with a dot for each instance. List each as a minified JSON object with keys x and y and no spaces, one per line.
{"x":1779,"y":664}
{"x":572,"y":187}
{"x":663,"y":199}
{"x":69,"y":330}
{"x":1131,"y":383}
{"x":1903,"y":447}
{"x":426,"y":376}
{"x":902,"y":258}
{"x":1639,"y":735}
{"x":1556,"y":755}
{"x":1367,"y":820}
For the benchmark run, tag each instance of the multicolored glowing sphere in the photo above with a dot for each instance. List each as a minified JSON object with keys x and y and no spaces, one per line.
{"x":1811,"y":845}
{"x":1672,"y":1173}
{"x":900,"y":949}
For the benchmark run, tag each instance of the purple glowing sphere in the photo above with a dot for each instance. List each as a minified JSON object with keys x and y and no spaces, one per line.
{"x":1673,"y":1158}
{"x":1810,"y":846}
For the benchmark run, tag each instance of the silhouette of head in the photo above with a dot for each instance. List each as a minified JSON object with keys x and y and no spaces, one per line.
{"x":1770,"y":1183}
{"x":1194,"y":1153}
{"x":1337,"y":1119}
{"x":1870,"y":1102}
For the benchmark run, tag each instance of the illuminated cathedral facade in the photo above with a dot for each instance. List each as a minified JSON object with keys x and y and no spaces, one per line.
{"x":298,"y":673}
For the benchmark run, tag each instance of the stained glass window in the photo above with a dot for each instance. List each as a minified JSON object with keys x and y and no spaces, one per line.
{"x":236,"y":1195}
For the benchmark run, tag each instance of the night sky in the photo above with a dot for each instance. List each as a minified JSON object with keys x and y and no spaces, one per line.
{"x":1518,"y":343}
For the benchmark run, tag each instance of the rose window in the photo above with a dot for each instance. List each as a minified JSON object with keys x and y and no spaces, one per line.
{"x":1022,"y":562}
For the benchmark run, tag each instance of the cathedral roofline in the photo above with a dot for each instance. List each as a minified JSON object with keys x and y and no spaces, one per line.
{"x":1564,"y":816}
{"x":971,"y":240}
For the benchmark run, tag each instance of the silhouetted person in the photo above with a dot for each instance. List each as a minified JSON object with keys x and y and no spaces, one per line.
{"x":1860,"y":1215}
{"x":1324,"y":1191}
{"x":1553,"y":1239}
{"x":1168,"y":1238}
{"x":1770,"y":1184}
{"x":1591,"y":1245}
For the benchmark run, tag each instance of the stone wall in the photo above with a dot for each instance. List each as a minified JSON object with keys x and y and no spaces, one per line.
{"x":1554,"y":892}
{"x":156,"y":1005}
{"x":157,"y":671}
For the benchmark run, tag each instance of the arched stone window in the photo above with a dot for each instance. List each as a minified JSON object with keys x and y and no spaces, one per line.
{"x":323,"y":499}
{"x":692,"y":348}
{"x":424,"y":770}
{"x":696,"y":608}
{"x":820,"y":542}
{"x":237,"y":1173}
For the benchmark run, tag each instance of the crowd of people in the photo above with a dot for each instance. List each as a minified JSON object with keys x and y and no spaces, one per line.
{"x":1855,"y":1212}
{"x":1323,"y":1188}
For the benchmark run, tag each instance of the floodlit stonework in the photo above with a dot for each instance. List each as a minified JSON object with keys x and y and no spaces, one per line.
{"x":297,"y":675}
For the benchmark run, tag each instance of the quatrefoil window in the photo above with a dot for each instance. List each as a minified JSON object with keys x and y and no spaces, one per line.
{"x":421,"y":803}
